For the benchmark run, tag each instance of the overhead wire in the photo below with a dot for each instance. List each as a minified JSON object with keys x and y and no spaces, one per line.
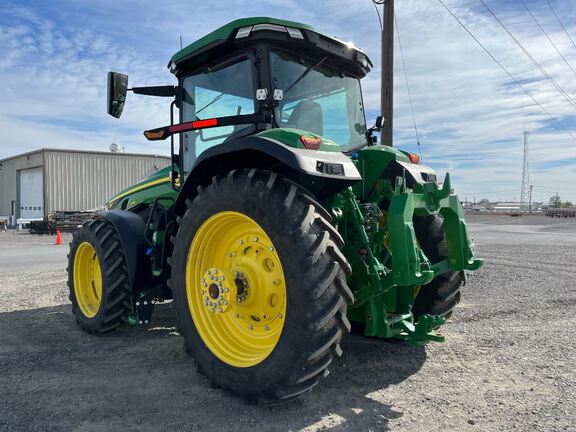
{"x":561,"y":24}
{"x":408,"y":87}
{"x":534,"y":61}
{"x":554,"y":120}
{"x":376,"y":3}
{"x":547,"y":36}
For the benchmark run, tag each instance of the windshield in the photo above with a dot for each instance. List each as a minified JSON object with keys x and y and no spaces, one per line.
{"x":318,"y":99}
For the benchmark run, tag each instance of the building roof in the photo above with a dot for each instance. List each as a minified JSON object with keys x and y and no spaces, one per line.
{"x":53,"y":150}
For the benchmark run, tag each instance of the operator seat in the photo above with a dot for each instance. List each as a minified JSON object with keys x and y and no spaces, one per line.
{"x":307,"y":115}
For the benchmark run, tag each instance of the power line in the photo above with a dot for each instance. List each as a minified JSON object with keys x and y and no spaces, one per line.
{"x":549,"y":39}
{"x":504,"y":69}
{"x":376,"y":3}
{"x":546,"y":75}
{"x":408,"y":87}
{"x":560,"y":22}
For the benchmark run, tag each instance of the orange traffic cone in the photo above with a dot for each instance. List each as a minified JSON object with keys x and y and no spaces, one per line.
{"x":58,"y":237}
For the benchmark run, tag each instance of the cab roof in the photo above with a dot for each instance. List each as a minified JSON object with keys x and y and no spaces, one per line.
{"x":230,"y":31}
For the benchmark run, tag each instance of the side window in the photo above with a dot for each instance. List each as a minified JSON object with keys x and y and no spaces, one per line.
{"x":223,"y":92}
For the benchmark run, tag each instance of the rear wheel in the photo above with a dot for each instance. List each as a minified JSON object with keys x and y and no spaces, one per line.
{"x":98,"y":278}
{"x":259,"y":286}
{"x":442,"y":294}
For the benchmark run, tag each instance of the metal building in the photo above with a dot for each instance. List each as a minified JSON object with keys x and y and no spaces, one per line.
{"x":35,"y":184}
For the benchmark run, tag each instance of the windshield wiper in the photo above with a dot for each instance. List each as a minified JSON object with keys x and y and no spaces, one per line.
{"x":216,"y":99}
{"x":306,"y":72}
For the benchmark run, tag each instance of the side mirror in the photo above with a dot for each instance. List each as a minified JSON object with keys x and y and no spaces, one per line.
{"x":380,"y":122}
{"x":117,"y":88}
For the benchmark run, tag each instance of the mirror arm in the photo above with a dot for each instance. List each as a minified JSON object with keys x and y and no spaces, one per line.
{"x":160,"y":91}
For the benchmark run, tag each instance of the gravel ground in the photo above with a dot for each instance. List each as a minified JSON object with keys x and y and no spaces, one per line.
{"x":508,"y":363}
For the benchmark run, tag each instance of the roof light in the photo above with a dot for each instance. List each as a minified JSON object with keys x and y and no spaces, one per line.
{"x":362,"y":59}
{"x":272,"y":27}
{"x":414,"y":158}
{"x":311,"y":143}
{"x":243,"y":32}
{"x":294,"y":33}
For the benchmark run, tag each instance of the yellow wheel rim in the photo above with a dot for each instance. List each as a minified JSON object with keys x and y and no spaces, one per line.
{"x":87,"y":279}
{"x":236,"y":289}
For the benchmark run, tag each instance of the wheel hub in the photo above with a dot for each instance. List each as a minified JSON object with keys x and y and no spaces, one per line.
{"x":217,"y":291}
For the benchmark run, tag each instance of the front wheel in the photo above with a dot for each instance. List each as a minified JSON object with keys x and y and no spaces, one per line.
{"x":259,"y":286}
{"x":442,"y":294}
{"x":98,"y":278}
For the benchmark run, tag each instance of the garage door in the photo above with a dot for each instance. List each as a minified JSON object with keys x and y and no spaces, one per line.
{"x":31,"y":194}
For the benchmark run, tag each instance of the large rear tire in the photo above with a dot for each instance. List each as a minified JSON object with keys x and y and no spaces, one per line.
{"x":98,"y":278}
{"x":259,"y":286}
{"x":442,"y":294}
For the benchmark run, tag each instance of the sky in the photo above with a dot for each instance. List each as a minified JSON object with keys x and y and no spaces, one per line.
{"x":470,"y":114}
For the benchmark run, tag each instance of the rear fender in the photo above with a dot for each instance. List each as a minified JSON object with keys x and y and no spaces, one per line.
{"x":323,"y":173}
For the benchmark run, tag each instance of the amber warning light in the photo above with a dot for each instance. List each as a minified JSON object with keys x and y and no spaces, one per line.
{"x":312,"y":143}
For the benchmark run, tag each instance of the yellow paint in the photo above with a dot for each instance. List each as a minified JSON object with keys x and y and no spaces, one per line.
{"x":87,"y":280}
{"x":236,"y":289}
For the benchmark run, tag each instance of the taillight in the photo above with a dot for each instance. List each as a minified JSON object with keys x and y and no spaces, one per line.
{"x":312,"y":143}
{"x":414,"y":158}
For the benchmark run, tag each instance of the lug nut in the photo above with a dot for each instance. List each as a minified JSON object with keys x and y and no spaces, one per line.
{"x":241,"y":242}
{"x":251,"y":327}
{"x":271,"y":249}
{"x":280,"y":316}
{"x":266,"y":328}
{"x":219,"y":310}
{"x":137,"y":303}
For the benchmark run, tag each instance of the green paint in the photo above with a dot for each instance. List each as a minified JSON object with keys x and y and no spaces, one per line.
{"x":291,"y":137}
{"x":146,"y":191}
{"x":226,"y":31}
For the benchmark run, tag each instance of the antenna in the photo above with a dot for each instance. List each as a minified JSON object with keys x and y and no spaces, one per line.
{"x":180,"y":42}
{"x":525,"y":195}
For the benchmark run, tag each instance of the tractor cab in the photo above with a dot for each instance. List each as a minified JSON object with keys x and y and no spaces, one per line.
{"x":294,"y":76}
{"x":261,"y":74}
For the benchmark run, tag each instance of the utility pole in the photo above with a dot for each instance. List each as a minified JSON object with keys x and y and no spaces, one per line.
{"x":387,"y":73}
{"x":530,"y":202}
{"x":524,"y":192}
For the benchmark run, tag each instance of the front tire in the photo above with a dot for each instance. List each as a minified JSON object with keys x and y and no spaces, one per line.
{"x":259,"y":286}
{"x":98,"y":278}
{"x":441,"y":295}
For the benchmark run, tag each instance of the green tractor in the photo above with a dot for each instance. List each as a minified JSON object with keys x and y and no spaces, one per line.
{"x":280,"y":223}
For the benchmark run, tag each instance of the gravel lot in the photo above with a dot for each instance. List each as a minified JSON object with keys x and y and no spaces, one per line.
{"x":508,"y":363}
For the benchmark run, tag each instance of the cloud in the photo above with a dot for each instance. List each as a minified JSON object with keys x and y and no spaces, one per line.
{"x":469,"y":115}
